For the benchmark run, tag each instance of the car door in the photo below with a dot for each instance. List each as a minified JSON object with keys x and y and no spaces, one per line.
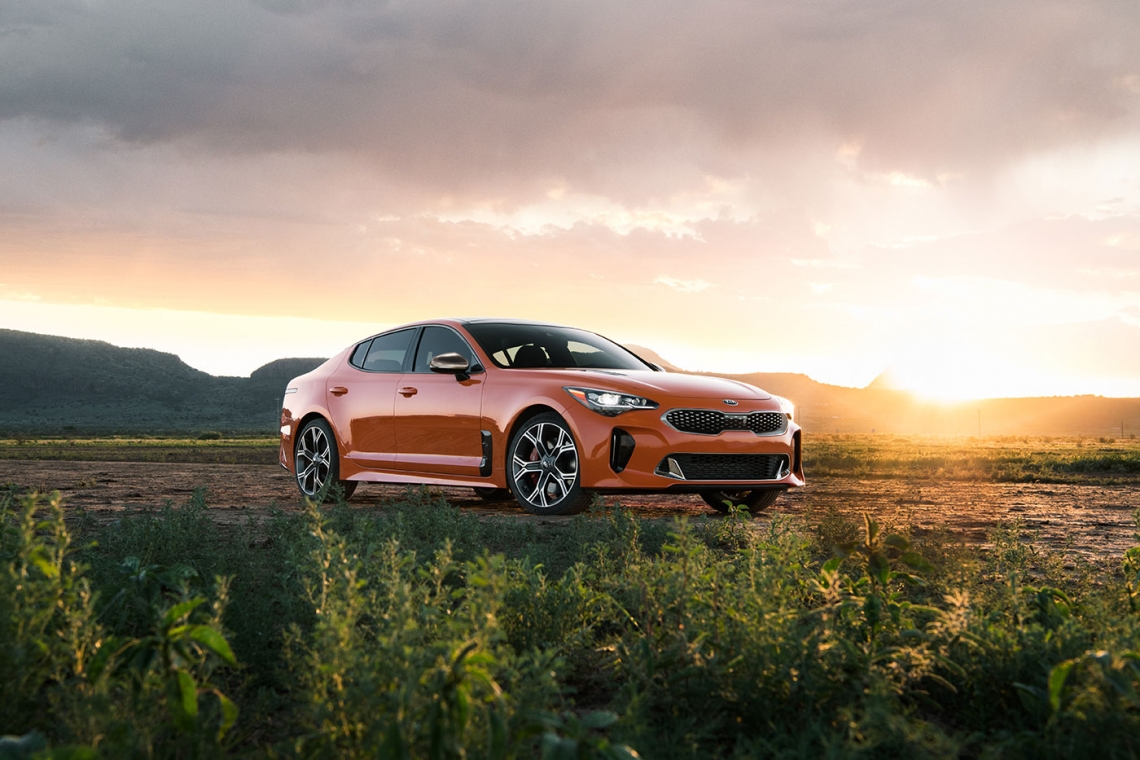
{"x":361,"y":397}
{"x":437,"y":415}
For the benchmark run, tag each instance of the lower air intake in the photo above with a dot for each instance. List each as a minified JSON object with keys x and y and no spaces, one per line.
{"x":724,"y":466}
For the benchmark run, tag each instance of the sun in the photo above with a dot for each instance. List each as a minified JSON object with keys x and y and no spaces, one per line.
{"x":947,"y":375}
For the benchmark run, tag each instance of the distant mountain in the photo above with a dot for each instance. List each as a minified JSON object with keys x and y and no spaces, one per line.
{"x":51,"y":384}
{"x":282,"y":371}
{"x":278,"y":373}
{"x":35,"y":367}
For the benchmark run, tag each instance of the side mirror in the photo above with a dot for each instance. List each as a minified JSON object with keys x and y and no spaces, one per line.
{"x":450,"y":364}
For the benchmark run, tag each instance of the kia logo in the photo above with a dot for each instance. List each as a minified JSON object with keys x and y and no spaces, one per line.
{"x":730,"y":402}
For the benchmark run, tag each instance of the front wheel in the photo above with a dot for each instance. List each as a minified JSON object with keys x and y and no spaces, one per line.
{"x":754,"y":501}
{"x":542,"y":461}
{"x":316,"y":462}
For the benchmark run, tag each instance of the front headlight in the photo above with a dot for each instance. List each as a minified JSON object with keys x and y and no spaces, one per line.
{"x":609,"y":403}
{"x":787,"y":407}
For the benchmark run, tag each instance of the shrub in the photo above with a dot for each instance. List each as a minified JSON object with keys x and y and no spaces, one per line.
{"x":68,"y":677}
{"x":422,"y":631}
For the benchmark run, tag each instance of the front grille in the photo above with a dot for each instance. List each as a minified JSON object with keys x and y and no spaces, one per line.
{"x":724,"y":466}
{"x":713,"y":422}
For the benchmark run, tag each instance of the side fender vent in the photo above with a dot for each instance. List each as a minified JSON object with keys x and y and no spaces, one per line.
{"x":621,"y":449}
{"x":485,"y":464}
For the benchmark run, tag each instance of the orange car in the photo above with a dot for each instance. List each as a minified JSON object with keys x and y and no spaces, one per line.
{"x":548,"y":414}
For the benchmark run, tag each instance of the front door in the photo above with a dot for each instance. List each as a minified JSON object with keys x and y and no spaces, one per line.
{"x":437,"y":415}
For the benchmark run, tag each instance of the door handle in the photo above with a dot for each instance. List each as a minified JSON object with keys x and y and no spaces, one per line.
{"x":408,"y":391}
{"x":338,"y":390}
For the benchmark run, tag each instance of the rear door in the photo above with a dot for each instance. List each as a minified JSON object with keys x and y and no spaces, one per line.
{"x":437,"y":415}
{"x":361,"y":397}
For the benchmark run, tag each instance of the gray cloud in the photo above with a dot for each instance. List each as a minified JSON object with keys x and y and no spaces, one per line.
{"x":632,"y":100}
{"x":829,"y":179}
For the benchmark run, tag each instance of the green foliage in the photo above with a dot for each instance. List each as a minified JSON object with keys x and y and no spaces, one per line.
{"x":569,"y":738}
{"x":409,"y":659}
{"x":1132,"y":568}
{"x":68,"y":677}
{"x":47,"y":621}
{"x":423,"y":631}
{"x":180,"y":652}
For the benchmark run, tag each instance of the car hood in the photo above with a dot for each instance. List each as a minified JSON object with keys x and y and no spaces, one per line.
{"x":670,"y":383}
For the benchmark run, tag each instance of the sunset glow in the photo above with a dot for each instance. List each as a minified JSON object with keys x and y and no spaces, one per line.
{"x":960,"y":209}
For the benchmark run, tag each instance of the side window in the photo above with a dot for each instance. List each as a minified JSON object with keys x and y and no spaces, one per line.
{"x":440,"y":340}
{"x":387,"y":352}
{"x":358,"y":355}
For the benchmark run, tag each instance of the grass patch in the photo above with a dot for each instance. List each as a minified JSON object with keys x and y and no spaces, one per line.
{"x":1103,"y":461}
{"x":422,"y":631}
{"x":203,"y":449}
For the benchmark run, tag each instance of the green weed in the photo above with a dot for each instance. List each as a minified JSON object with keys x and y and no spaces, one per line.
{"x":422,"y":631}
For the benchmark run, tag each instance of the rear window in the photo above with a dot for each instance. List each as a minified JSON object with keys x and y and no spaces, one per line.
{"x":385,"y":353}
{"x":358,"y":355}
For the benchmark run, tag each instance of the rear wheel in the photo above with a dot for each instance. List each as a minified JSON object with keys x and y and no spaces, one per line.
{"x":754,"y":501}
{"x":542,"y":462}
{"x":316,"y":462}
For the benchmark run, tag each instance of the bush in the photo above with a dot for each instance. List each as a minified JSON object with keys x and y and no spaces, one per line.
{"x":68,"y":677}
{"x":422,"y":631}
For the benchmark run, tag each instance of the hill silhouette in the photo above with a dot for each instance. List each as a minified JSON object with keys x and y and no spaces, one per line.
{"x":53,"y":384}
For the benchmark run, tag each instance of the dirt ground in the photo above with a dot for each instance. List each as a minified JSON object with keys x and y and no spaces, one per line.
{"x":1095,"y":520}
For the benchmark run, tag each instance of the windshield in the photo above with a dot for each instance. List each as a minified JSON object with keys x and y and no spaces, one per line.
{"x":515,"y":346}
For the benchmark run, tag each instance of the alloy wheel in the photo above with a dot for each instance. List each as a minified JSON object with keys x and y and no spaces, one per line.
{"x":544,"y":465}
{"x":313,"y":460}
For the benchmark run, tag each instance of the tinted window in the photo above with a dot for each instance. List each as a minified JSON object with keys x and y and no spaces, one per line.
{"x":441,"y":340}
{"x":387,"y":352}
{"x":358,"y":355}
{"x":517,"y":346}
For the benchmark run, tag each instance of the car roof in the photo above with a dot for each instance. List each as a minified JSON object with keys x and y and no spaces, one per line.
{"x":463,"y":321}
{"x":506,"y":321}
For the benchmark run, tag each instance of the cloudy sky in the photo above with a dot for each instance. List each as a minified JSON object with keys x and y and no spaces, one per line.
{"x":951,"y":189}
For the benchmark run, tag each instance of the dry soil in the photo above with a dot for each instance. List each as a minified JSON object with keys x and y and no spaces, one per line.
{"x":1091,"y":519}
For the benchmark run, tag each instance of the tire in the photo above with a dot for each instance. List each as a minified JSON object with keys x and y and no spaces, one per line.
{"x":316,"y":463}
{"x":755,"y":501}
{"x":542,"y":467}
{"x":493,"y":494}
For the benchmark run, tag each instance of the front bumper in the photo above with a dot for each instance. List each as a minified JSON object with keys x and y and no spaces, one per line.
{"x":608,"y":465}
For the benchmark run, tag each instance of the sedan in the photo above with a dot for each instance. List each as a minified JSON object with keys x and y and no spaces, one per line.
{"x":545,"y":414}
